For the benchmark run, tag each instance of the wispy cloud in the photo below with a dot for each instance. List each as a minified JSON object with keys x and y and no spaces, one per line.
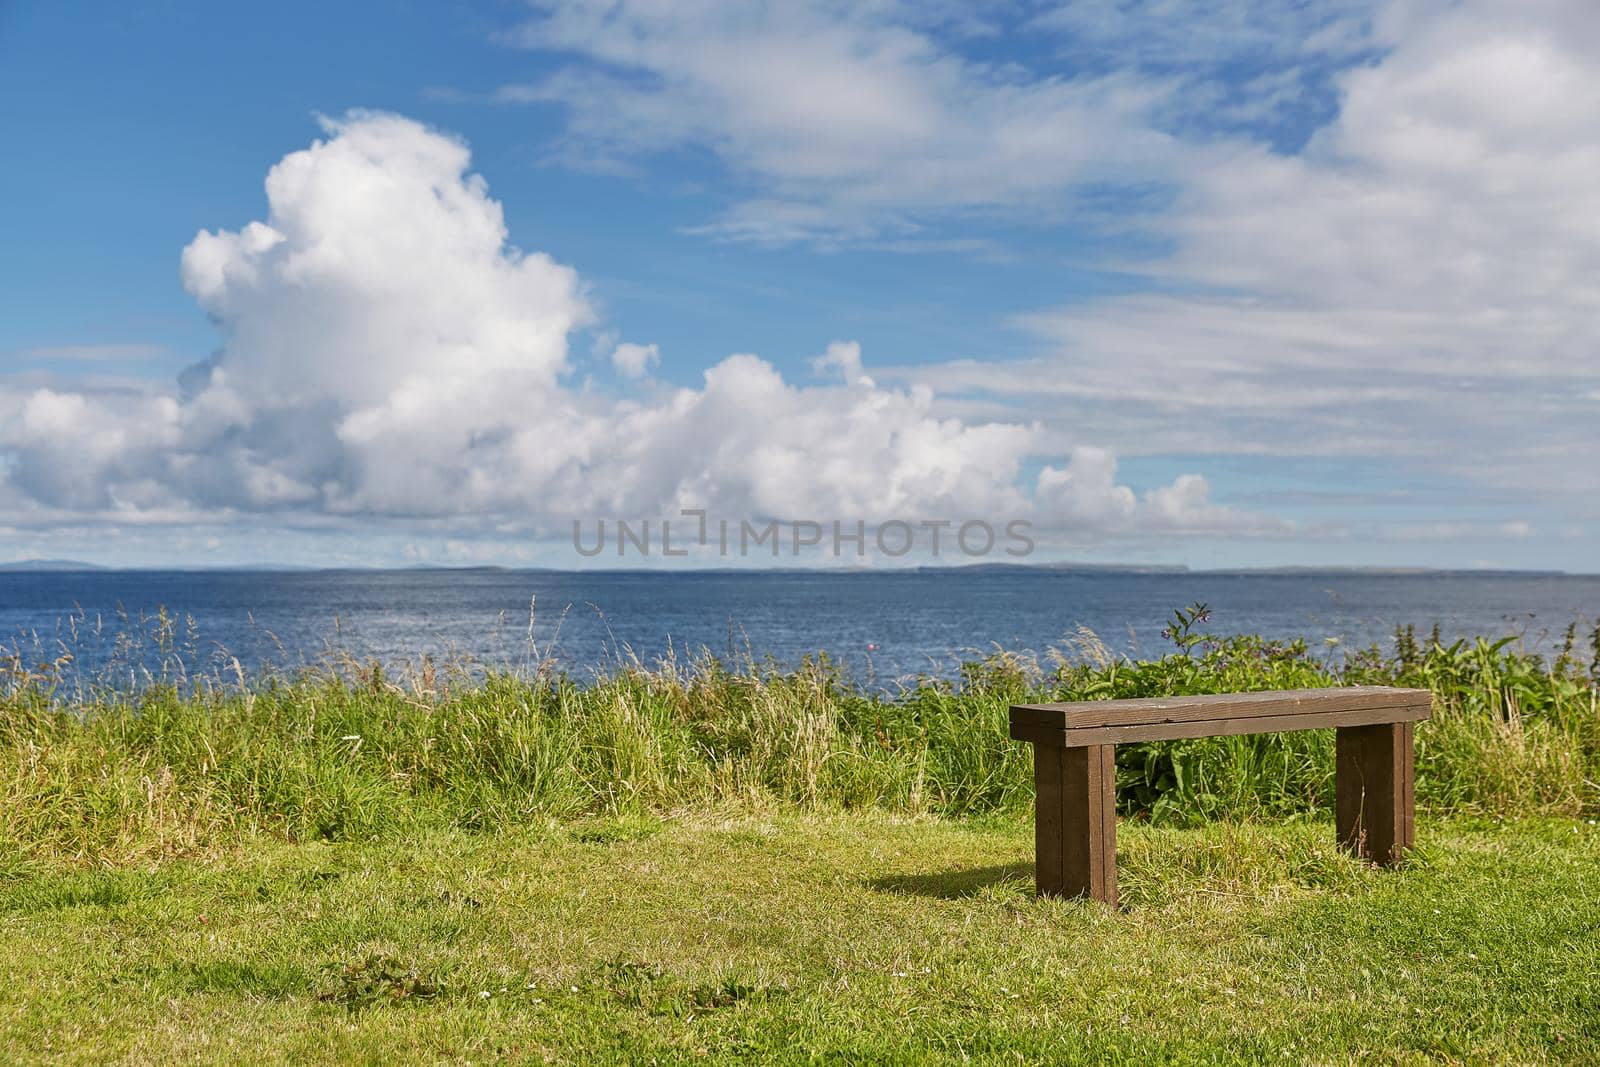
{"x":1511,"y":530}
{"x":846,"y":122}
{"x":1420,"y":285}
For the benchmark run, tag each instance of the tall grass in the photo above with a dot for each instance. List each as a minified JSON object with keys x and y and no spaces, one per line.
{"x":349,"y":751}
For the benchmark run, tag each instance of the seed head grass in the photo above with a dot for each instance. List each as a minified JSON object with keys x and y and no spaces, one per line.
{"x":712,"y":859}
{"x":186,"y":762}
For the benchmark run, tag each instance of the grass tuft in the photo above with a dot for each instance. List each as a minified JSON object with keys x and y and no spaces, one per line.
{"x":115,"y":776}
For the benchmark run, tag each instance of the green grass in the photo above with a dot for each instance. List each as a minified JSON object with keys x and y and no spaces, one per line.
{"x":719,"y":859}
{"x":179,"y":767}
{"x":801,"y":938}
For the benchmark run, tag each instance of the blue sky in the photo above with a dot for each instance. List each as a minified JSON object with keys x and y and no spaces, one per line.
{"x":1231,"y":282}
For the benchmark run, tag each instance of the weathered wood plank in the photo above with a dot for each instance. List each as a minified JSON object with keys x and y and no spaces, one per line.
{"x":1049,"y":820}
{"x":1103,"y":796}
{"x":1374,"y":801}
{"x":1150,"y":710}
{"x":1075,"y":823}
{"x":1220,"y":727}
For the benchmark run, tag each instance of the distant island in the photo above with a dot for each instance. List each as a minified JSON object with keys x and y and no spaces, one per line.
{"x":43,"y":566}
{"x":26,"y":565}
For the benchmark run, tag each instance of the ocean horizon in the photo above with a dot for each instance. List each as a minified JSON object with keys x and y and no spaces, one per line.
{"x":881,"y":626}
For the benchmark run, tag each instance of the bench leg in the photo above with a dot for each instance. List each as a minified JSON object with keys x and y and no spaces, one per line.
{"x":1075,"y":823}
{"x":1374,"y":791}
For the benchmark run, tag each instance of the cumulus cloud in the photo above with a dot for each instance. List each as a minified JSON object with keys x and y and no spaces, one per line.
{"x":1086,"y":490}
{"x":67,"y":451}
{"x":1377,"y":217}
{"x":845,"y":358}
{"x":1085,"y":495}
{"x":634,"y":361}
{"x":387,"y":353}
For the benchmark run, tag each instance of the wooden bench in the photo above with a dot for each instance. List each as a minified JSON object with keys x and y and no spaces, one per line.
{"x":1075,"y":821}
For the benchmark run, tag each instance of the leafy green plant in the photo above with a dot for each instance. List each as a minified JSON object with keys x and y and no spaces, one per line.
{"x":375,"y":979}
{"x":115,"y":775}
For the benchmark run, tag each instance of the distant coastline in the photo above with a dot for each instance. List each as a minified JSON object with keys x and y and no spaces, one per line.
{"x":66,"y":566}
{"x":31,"y":566}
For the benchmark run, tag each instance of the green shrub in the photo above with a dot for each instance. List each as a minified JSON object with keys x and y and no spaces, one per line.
{"x":351,"y":752}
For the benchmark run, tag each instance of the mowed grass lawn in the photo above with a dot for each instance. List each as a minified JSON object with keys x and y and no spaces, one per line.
{"x":814,"y":938}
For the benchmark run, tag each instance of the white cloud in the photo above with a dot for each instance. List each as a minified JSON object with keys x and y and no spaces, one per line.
{"x":844,"y":357}
{"x":849,"y":121}
{"x":85,"y":451}
{"x":1203,"y":34}
{"x":634,"y":361}
{"x":1085,"y":495}
{"x":1511,"y":530}
{"x":1185,"y":507}
{"x":1086,"y":490}
{"x":1385,"y":234}
{"x":1256,"y":66}
{"x":1420,"y":285}
{"x":388,"y":356}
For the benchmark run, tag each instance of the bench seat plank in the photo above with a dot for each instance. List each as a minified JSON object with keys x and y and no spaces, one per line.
{"x":1328,"y":705}
{"x":1243,"y":724}
{"x":1075,"y":768}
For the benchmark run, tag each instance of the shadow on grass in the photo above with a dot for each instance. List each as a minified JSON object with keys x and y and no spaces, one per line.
{"x":954,"y":885}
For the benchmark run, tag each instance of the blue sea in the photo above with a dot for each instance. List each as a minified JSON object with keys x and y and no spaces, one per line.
{"x":884,"y":626}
